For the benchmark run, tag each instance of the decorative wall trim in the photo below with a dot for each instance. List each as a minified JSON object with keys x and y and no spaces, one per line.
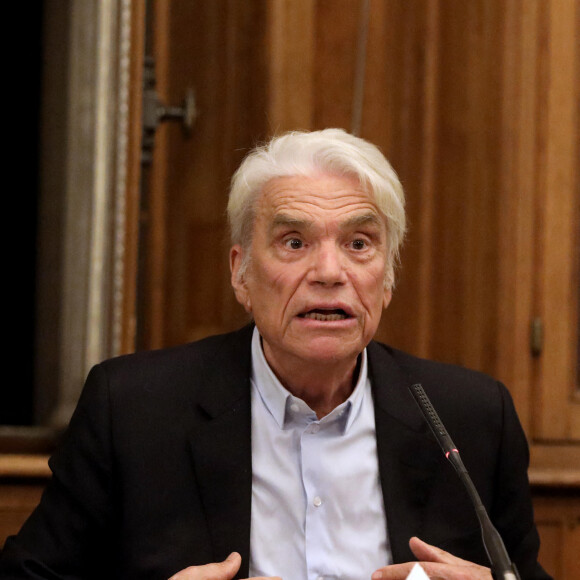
{"x":91,"y":191}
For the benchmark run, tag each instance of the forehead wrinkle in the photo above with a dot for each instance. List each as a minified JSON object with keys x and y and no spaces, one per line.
{"x":369,"y":217}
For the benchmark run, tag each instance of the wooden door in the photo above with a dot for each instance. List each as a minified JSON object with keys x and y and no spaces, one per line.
{"x":217,"y":50}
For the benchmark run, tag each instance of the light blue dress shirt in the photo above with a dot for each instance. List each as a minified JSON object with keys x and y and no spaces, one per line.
{"x":317,"y":505}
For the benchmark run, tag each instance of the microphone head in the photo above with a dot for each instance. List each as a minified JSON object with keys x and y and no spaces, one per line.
{"x":432,"y":419}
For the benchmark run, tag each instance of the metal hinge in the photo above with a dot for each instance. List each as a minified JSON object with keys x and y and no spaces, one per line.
{"x":155,"y":112}
{"x":537,"y":336}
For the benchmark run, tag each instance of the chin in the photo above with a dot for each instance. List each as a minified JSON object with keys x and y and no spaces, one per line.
{"x":326,"y":350}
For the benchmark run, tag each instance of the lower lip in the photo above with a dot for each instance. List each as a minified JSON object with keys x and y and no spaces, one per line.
{"x":330,"y":324}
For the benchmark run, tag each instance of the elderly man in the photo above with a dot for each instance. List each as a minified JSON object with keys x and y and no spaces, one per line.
{"x":291,"y":448}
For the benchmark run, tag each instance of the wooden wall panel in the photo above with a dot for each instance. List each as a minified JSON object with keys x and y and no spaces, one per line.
{"x":397,"y":115}
{"x":465,"y":205}
{"x":558,"y":400}
{"x":539,"y":215}
{"x":517,"y":211}
{"x":406,"y":103}
{"x":558,"y":521}
{"x":470,"y":104}
{"x":334,"y":66}
{"x":291,"y":57}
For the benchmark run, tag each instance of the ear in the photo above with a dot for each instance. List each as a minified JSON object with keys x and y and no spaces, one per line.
{"x":387,"y":295}
{"x":238,"y":282}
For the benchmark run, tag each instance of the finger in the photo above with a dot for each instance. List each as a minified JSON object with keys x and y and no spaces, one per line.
{"x":428,"y":553}
{"x":217,"y":571}
{"x":435,"y":571}
{"x":393,"y":572}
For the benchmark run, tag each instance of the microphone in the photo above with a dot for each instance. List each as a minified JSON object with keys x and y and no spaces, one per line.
{"x":501,"y":565}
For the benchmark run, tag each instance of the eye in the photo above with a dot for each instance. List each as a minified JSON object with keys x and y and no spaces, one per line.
{"x":293,"y":243}
{"x":358,"y":244}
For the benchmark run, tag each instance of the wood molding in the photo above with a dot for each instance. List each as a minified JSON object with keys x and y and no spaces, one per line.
{"x":554,"y":478}
{"x":21,"y":466}
{"x":555,"y":465}
{"x":133,"y":179}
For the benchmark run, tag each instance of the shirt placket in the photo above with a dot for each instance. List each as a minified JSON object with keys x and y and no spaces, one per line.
{"x":316,"y":526}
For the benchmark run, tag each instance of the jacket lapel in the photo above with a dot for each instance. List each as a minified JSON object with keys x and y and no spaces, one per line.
{"x":408,"y":455}
{"x":221,"y":447}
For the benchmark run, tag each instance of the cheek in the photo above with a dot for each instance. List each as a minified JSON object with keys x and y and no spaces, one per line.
{"x":372,"y":288}
{"x":268,"y":285}
{"x":279,"y":278}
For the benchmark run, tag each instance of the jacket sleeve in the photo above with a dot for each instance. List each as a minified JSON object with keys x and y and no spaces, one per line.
{"x":69,"y":533}
{"x":512,"y":511}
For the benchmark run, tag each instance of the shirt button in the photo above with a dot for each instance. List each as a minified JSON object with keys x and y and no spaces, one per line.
{"x":294,"y":407}
{"x":315,"y":428}
{"x":317,"y":501}
{"x":320,"y":578}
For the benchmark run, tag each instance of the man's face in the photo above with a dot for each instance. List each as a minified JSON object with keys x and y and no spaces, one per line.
{"x":315,"y":280}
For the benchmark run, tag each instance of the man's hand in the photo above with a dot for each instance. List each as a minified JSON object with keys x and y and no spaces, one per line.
{"x":225,"y":570}
{"x":438,"y":565}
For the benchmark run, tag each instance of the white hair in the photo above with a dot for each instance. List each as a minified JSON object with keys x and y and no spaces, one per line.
{"x":309,"y":153}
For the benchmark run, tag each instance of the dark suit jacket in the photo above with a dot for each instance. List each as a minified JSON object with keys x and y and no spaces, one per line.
{"x":154,"y":472}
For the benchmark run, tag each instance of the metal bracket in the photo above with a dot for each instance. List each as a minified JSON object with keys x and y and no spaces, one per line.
{"x":537,"y":337}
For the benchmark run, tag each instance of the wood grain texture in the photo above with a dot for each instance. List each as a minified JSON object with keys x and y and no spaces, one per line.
{"x":474,"y":104}
{"x":558,"y":521}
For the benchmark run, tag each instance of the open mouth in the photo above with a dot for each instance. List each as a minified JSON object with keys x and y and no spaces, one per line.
{"x":325,"y":315}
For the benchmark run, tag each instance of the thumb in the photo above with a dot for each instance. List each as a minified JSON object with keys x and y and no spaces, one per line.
{"x":230,"y":565}
{"x":425,"y":552}
{"x":225,"y":570}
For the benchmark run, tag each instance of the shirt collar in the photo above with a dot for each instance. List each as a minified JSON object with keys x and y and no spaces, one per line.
{"x":285,"y":407}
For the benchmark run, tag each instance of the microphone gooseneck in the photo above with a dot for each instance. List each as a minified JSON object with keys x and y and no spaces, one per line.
{"x":501,"y":564}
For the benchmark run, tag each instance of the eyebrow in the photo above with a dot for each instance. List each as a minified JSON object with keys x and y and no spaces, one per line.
{"x":364,"y":219}
{"x":283,"y":219}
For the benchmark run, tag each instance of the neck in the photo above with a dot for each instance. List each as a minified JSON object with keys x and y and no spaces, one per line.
{"x":323,"y":387}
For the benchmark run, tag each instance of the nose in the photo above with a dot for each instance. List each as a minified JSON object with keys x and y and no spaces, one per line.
{"x":327,"y":266}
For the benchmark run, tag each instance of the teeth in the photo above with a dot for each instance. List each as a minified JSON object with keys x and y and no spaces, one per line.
{"x":324,"y":317}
